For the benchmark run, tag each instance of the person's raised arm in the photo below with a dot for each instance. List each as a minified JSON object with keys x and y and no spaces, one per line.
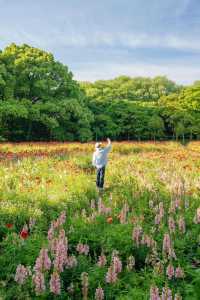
{"x":109,"y":141}
{"x":108,"y":147}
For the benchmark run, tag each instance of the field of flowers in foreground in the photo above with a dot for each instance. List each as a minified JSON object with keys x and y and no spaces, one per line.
{"x":139,"y":240}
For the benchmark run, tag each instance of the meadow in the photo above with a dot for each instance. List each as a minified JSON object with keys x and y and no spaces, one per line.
{"x":139,"y":240}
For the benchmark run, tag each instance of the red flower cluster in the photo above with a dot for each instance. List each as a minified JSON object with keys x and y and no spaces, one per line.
{"x":9,"y":225}
{"x":24,"y":233}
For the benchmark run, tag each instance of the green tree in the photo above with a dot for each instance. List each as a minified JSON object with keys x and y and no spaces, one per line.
{"x":39,"y":100}
{"x":156,"y":127}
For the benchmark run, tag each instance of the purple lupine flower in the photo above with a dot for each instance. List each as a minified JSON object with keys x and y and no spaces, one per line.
{"x":154,"y":293}
{"x":102,"y":261}
{"x":21,"y":274}
{"x":179,"y":273}
{"x":170,"y":271}
{"x":111,"y":275}
{"x":85,"y":284}
{"x":55,"y":283}
{"x":99,"y":294}
{"x":39,"y":282}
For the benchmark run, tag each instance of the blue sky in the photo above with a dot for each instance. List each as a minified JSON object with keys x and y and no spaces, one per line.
{"x":106,"y":38}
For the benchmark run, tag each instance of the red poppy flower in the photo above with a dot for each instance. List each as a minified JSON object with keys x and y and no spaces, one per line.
{"x":109,"y":220}
{"x":9,"y":225}
{"x":24,"y":234}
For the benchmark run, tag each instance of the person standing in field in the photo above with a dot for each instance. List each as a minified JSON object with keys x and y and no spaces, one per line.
{"x":99,"y":161}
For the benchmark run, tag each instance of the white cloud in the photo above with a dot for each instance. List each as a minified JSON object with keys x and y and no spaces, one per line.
{"x":131,"y":40}
{"x":179,"y":73}
{"x":56,"y":39}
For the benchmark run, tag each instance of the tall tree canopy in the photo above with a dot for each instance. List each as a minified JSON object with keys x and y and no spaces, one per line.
{"x":39,"y":100}
{"x":124,"y":87}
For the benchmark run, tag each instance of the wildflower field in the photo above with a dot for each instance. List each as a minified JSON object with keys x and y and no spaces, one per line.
{"x":139,"y":240}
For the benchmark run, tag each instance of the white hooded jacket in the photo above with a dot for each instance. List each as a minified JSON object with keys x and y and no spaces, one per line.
{"x":100,"y":157}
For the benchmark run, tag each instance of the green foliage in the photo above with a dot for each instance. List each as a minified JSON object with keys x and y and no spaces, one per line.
{"x":139,"y":175}
{"x":39,"y":100}
{"x":133,"y":89}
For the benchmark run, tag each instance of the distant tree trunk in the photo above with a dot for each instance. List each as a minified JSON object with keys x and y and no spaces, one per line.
{"x":190,"y":135}
{"x":29,"y":131}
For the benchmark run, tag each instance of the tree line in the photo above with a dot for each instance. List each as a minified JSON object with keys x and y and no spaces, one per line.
{"x":40,"y":101}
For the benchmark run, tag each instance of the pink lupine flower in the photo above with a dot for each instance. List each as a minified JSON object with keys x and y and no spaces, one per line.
{"x":197,"y":216}
{"x":172,"y":208}
{"x":166,"y":294}
{"x":106,"y":210}
{"x":111,"y":275}
{"x":62,"y":234}
{"x":171,"y":224}
{"x":136,"y":235}
{"x":146,"y":240}
{"x":99,"y":294}
{"x":130,"y":263}
{"x":84,"y":279}
{"x":166,"y":243}
{"x":55,"y":283}
{"x":170,"y":271}
{"x":60,"y":255}
{"x":51,"y":232}
{"x":46,"y":259}
{"x":179,"y":273}
{"x":71,"y":262}
{"x":62,"y":218}
{"x":55,"y":224}
{"x":102,"y":209}
{"x":123,"y":213}
{"x":21,"y":274}
{"x":181,"y":224}
{"x":39,"y":282}
{"x":154,"y":293}
{"x":102,"y":261}
{"x":161,"y":209}
{"x":158,"y":219}
{"x":117,"y":264}
{"x":43,"y":261}
{"x":86,"y":249}
{"x":38,"y":264}
{"x":79,"y":248}
{"x":82,"y":248}
{"x":53,"y":246}
{"x":172,"y":253}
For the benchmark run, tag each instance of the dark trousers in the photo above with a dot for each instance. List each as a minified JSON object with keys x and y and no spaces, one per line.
{"x":100,"y":177}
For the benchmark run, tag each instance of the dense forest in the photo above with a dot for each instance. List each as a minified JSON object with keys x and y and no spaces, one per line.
{"x":40,"y":101}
